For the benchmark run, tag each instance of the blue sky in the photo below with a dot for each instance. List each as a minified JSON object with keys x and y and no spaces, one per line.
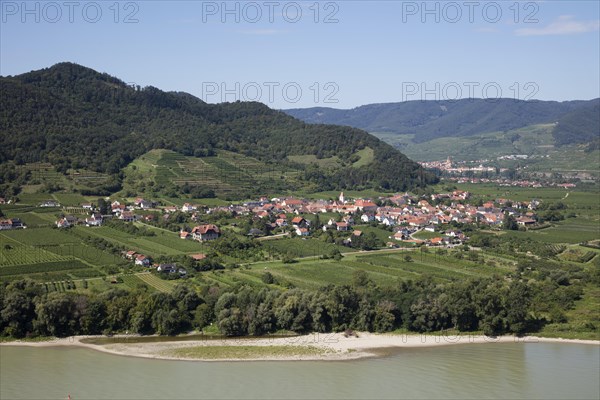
{"x":303,"y":54}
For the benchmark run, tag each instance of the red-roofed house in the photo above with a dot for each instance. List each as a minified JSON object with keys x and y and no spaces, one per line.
{"x":342,"y":226}
{"x":142,"y":260}
{"x":298,"y":222}
{"x":302,"y":232}
{"x":204,"y":233}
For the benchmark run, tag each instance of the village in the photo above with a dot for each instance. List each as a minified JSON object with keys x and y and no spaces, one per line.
{"x":402,"y":215}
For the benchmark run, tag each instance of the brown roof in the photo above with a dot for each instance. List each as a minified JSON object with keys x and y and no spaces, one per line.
{"x":202,"y":229}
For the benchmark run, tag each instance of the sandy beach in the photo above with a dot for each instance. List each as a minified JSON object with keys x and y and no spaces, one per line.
{"x":317,"y":346}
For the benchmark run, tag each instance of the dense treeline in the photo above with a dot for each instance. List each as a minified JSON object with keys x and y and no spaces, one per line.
{"x":75,"y":117}
{"x":579,"y":126}
{"x":494,"y":306}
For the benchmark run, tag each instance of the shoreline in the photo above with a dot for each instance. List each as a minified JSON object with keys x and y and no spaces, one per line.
{"x":311,"y":347}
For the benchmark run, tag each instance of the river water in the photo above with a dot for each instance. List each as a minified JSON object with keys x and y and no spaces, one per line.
{"x":478,"y":371}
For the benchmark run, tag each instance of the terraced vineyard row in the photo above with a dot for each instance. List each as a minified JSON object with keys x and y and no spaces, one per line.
{"x":157,"y":283}
{"x":226,"y":172}
{"x":20,"y":254}
{"x":37,"y":268}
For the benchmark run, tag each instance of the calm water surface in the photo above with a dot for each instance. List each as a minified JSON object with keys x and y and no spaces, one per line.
{"x":513,"y":370}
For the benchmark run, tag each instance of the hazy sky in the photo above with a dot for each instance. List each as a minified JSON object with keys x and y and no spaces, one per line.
{"x":302,"y":54}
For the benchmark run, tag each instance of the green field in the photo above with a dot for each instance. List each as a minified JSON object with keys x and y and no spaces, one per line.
{"x":382,"y":234}
{"x":312,"y":159}
{"x":568,"y":231}
{"x":50,"y":254}
{"x":69,"y":199}
{"x":366,"y":157}
{"x":303,"y":247}
{"x":385,"y":268}
{"x":164,"y":243}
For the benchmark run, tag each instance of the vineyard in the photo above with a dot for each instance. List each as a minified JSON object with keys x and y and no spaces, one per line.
{"x":298,"y":247}
{"x":384,"y":268}
{"x":226,"y":172}
{"x":20,"y":254}
{"x":164,"y":243}
{"x":29,"y":269}
{"x":156,"y":283}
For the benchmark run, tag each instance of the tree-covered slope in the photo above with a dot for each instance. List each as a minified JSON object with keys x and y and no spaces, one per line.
{"x":428,"y":120}
{"x":579,"y":126}
{"x":75,"y":117}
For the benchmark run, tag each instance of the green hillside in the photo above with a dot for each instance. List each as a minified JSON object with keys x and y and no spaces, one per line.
{"x":76,"y":119}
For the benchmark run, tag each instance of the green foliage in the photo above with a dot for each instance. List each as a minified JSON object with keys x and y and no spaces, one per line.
{"x":579,"y":126}
{"x":268,"y":278}
{"x":48,"y":112}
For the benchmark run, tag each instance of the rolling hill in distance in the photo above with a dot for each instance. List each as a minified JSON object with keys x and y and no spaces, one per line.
{"x":427,"y":130}
{"x":72,"y":118}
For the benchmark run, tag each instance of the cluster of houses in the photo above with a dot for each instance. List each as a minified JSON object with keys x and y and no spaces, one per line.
{"x":95,"y":219}
{"x":119,"y":211}
{"x":145,"y":261}
{"x":404,"y":213}
{"x":400,"y":210}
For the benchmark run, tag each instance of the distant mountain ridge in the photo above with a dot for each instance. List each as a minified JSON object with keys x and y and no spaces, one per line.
{"x":74,"y":117}
{"x":578,"y":121}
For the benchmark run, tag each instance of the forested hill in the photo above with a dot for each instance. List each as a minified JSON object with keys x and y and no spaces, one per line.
{"x":431,"y":119}
{"x":75,"y":117}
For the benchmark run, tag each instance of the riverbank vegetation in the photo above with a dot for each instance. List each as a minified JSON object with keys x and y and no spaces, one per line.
{"x":523,"y":303}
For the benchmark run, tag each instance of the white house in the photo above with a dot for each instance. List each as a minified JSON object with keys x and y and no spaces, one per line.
{"x":205,"y":233}
{"x":142,"y":260}
{"x":94,"y":220}
{"x":367,"y":218}
{"x":187,"y":207}
{"x":63,"y":223}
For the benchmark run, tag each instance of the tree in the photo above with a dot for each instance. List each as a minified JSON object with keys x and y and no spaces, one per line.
{"x":518,"y":301}
{"x":18,"y":307}
{"x":91,"y":320}
{"x":203,"y":316}
{"x":230,"y":322}
{"x":268,"y":278}
{"x":490,"y":308}
{"x":360,"y":279}
{"x":103,"y":206}
{"x":55,"y":316}
{"x":384,"y":319}
{"x":509,"y":223}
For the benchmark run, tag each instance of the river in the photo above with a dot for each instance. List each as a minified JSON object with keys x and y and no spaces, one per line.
{"x":495,"y":370}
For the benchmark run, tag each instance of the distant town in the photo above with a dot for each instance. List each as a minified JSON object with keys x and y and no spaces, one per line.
{"x":481,"y":171}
